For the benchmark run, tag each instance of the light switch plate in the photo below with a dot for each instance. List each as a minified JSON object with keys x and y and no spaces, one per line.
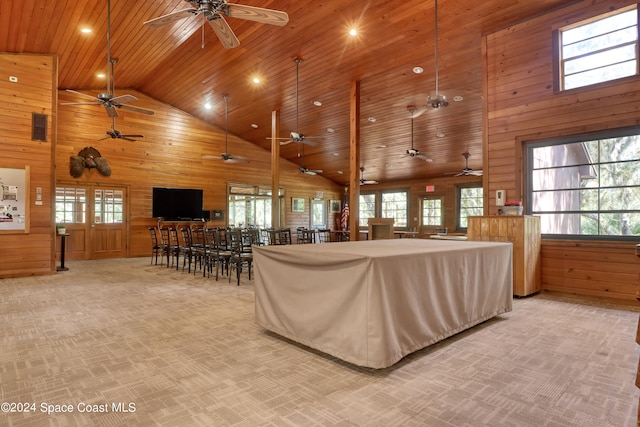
{"x":501,"y":196}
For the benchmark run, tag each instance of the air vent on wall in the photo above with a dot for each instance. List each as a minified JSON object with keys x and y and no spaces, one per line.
{"x":39,"y":127}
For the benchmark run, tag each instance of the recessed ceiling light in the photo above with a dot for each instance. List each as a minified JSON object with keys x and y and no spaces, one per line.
{"x":372,"y":119}
{"x":254,"y":125}
{"x":340,"y":172}
{"x":418,"y":70}
{"x":331,"y":130}
{"x":440,"y":134}
{"x":207,"y":106}
{"x":256,"y":80}
{"x":382,"y":146}
{"x":86,"y":30}
{"x":458,"y":98}
{"x":353,"y":32}
{"x":100,"y":76}
{"x":336,"y":154}
{"x":317,"y":103}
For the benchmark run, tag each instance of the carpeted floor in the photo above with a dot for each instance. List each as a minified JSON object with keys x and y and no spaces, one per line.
{"x":181,"y":350}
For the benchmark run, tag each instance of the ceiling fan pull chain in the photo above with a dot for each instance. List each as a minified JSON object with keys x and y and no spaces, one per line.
{"x":202,"y":29}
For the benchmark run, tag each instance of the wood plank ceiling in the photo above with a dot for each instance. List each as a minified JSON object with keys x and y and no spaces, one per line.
{"x":183,"y":64}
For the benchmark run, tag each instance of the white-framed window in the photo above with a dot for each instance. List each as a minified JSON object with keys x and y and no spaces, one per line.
{"x":394,"y":205}
{"x":432,"y":211}
{"x":318,"y":213}
{"x":250,"y":205}
{"x":600,"y":49}
{"x":470,"y":203}
{"x":108,"y":206}
{"x":586,"y":186}
{"x":71,"y":205}
{"x":367,"y":207}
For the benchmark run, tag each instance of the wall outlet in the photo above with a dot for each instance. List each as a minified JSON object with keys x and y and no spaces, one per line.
{"x":501,"y":196}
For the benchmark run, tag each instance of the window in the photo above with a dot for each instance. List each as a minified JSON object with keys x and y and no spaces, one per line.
{"x":71,"y":206}
{"x":318,"y":213}
{"x":586,"y":186}
{"x":470,"y":203}
{"x":250,"y":206}
{"x":367,"y":208}
{"x":432,"y":212}
{"x":108,"y":206}
{"x":599,"y":50}
{"x":394,"y":205}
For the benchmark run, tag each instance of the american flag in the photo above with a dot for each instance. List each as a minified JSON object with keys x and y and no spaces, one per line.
{"x":344,"y":217}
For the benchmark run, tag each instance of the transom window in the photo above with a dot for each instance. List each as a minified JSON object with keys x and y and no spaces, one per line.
{"x":586,"y":186}
{"x":599,"y":50}
{"x":470,"y":203}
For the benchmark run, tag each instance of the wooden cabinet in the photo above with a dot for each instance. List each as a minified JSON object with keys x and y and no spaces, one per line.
{"x":523,"y":231}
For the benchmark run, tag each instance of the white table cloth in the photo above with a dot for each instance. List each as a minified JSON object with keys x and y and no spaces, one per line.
{"x":371,"y":303}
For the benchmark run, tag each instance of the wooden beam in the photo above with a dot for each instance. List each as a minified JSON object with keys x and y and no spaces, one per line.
{"x":354,"y":159}
{"x":275,"y":169}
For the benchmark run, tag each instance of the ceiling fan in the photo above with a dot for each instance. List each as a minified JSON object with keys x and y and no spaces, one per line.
{"x":113,"y":133}
{"x":214,"y":12}
{"x":296,"y":136}
{"x":305,"y":170}
{"x":226,"y":156}
{"x":365,"y":181}
{"x":466,"y":171}
{"x":108,"y":99}
{"x":414,"y":152}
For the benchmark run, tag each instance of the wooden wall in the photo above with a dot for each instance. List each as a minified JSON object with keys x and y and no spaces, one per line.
{"x":28,"y":252}
{"x":170,"y":155}
{"x":522,"y":106}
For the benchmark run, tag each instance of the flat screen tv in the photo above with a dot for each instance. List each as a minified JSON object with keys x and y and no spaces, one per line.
{"x":178,"y":203}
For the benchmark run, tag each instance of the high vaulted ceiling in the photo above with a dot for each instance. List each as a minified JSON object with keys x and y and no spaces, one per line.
{"x":183,"y":64}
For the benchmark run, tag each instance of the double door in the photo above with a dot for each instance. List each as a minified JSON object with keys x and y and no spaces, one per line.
{"x":95,"y":219}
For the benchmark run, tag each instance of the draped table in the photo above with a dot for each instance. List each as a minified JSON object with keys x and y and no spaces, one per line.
{"x":373,"y":302}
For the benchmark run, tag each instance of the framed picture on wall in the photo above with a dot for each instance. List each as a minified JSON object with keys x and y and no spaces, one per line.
{"x":297,"y":205}
{"x":334,"y":206}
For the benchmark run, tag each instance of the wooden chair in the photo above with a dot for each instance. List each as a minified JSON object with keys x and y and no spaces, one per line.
{"x":165,"y":245}
{"x":220,"y":253}
{"x":241,"y":252}
{"x":186,"y":249}
{"x":174,"y":246}
{"x":156,"y":247}
{"x":285,"y":236}
{"x":324,"y":235}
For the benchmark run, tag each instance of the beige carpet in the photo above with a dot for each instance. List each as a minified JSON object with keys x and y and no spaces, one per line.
{"x":185,"y":351}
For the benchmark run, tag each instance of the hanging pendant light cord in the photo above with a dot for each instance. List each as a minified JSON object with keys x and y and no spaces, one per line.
{"x":226,"y":119}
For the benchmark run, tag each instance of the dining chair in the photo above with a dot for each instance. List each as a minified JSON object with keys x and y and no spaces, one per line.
{"x":156,"y":247}
{"x":241,"y":252}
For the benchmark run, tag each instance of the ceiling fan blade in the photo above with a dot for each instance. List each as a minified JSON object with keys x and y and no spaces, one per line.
{"x":126,"y":138}
{"x":82,"y":94}
{"x":418,"y":111}
{"x":286,"y":142}
{"x":476,"y":173}
{"x":123,"y":99}
{"x":258,"y":14}
{"x":111,"y":111}
{"x":224,"y":32}
{"x":425,"y":158}
{"x":132,"y":136}
{"x":137,"y":109}
{"x":174,"y":16}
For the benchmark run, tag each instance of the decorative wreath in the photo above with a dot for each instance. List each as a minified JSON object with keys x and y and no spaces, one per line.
{"x":88,"y":158}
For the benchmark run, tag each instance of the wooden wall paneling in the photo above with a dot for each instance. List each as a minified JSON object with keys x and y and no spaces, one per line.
{"x":521,"y":106}
{"x":170,"y":155}
{"x":30,"y":253}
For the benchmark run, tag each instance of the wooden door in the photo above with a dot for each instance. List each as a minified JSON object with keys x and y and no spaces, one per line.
{"x":108,"y":231}
{"x":95,"y":219}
